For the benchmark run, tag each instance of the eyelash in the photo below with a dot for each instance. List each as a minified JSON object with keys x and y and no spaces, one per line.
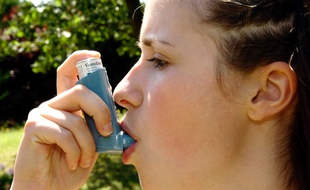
{"x":158,"y":63}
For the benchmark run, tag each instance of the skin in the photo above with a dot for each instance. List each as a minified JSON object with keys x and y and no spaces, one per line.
{"x":57,"y":150}
{"x":190,"y":135}
{"x":192,"y":118}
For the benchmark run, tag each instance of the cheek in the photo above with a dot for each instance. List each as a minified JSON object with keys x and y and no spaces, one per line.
{"x":174,"y":113}
{"x":188,"y":120}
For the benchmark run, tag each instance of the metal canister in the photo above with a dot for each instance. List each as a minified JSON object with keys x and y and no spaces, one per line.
{"x":88,"y":66}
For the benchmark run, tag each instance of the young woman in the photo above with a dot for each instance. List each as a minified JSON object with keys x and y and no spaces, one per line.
{"x":218,"y":100}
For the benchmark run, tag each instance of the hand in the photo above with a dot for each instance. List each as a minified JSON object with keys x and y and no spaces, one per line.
{"x":57,"y":150}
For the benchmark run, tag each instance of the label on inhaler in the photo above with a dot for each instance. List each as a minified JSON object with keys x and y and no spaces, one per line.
{"x":88,"y":66}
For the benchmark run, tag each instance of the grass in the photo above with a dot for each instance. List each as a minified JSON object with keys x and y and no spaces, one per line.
{"x":9,"y":142}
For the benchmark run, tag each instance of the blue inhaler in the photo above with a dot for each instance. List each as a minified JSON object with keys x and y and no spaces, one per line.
{"x":94,"y":76}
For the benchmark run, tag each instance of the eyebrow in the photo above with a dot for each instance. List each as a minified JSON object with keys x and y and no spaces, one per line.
{"x":149,"y":40}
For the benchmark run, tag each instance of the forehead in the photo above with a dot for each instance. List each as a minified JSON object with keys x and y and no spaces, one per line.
{"x":167,"y":16}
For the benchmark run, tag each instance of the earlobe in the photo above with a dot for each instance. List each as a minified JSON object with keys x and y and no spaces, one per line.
{"x":276,"y":90}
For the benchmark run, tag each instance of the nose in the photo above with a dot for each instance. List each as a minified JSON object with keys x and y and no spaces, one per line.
{"x":128,"y":93}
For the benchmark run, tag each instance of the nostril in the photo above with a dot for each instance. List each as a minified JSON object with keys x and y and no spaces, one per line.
{"x":128,"y":98}
{"x":124,"y":102}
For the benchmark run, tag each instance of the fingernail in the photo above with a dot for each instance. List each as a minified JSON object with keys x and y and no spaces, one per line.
{"x":108,"y":129}
{"x":86,"y":164}
{"x":73,"y":167}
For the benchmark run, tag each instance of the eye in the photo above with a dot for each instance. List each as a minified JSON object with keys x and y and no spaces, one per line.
{"x":158,"y":63}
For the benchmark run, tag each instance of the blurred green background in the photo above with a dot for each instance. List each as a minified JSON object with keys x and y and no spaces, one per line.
{"x":36,"y":39}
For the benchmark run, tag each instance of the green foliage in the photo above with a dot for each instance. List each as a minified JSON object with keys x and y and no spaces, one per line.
{"x":60,"y":27}
{"x":42,"y":37}
{"x":110,"y":173}
{"x":6,"y":6}
{"x":6,"y":178}
{"x":9,"y":142}
{"x":38,"y":39}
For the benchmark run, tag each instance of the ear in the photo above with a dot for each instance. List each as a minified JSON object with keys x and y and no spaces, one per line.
{"x":275,"y":88}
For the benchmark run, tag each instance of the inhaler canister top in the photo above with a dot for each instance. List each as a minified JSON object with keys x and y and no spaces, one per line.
{"x":88,"y":66}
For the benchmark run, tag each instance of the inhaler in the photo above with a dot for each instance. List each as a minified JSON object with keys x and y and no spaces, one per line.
{"x":94,"y":76}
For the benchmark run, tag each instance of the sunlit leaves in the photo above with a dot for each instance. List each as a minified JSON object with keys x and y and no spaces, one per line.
{"x":59,"y":27}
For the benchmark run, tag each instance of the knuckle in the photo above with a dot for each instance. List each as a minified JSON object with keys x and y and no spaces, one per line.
{"x":32,"y":120}
{"x":33,"y":115}
{"x":42,"y":105}
{"x":32,"y":112}
{"x":29,"y":125}
{"x":78,"y":121}
{"x":66,"y":135}
{"x":80,"y":90}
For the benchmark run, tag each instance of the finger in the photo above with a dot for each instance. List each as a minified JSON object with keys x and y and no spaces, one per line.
{"x":45,"y":132}
{"x":67,"y":72}
{"x":81,"y":98}
{"x":78,"y":128}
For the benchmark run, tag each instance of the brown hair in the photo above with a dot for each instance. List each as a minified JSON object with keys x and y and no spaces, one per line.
{"x":254,"y":33}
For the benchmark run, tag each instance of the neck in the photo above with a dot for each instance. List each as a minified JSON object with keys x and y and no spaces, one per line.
{"x":254,"y":165}
{"x":257,"y":164}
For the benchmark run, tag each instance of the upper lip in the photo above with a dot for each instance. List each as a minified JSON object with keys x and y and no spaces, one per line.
{"x":125,"y":128}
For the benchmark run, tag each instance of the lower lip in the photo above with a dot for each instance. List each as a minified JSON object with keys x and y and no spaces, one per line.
{"x":128,"y":152}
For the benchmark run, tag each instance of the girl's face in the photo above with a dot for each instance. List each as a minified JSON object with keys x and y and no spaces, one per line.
{"x":187,"y":130}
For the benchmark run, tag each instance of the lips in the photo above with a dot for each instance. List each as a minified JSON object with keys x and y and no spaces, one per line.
{"x":128,"y":153}
{"x":126,"y":130}
{"x":130,"y":150}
